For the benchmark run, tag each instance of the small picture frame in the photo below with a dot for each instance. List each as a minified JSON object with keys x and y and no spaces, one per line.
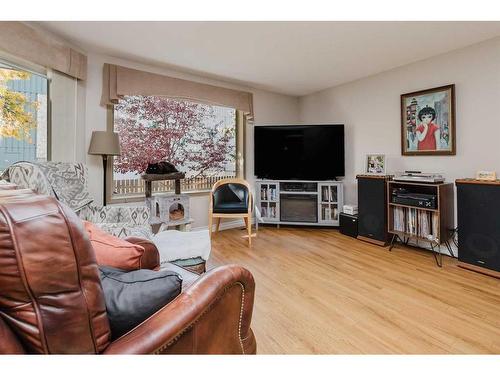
{"x":375,"y":164}
{"x":486,"y":176}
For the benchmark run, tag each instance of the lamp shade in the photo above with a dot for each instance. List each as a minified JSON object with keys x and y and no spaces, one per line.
{"x":104,"y":143}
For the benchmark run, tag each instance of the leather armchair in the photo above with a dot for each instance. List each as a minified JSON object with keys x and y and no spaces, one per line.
{"x":51,"y":300}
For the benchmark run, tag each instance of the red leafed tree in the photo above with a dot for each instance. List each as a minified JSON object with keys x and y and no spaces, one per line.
{"x":154,"y":128}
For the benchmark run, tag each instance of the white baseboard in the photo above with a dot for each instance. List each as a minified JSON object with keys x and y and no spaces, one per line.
{"x":239,"y":223}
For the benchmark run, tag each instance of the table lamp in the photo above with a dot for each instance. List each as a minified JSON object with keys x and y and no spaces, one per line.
{"x":105,"y":144}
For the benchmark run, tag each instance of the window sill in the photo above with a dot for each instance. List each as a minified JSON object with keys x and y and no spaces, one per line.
{"x":140,"y":198}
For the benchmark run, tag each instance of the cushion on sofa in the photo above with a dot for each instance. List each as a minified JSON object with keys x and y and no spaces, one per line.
{"x":113,"y":251}
{"x":132,"y":297}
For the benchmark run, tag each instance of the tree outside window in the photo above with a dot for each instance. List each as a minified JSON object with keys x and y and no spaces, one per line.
{"x":199,"y":139}
{"x":23,"y":116}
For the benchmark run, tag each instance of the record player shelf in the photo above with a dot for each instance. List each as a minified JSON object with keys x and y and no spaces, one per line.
{"x":432,"y":225}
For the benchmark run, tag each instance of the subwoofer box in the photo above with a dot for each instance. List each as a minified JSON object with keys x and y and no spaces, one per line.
{"x":348,"y":224}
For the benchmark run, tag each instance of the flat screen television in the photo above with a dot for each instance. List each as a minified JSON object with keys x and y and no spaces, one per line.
{"x":299,"y":152}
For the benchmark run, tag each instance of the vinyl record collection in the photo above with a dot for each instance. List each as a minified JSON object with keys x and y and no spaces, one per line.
{"x":416,"y":222}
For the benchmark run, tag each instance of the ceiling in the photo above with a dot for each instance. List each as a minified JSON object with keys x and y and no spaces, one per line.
{"x":294,"y":58}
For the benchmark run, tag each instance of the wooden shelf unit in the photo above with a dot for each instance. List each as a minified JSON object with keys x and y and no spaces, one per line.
{"x":408,"y":206}
{"x":444,"y":212}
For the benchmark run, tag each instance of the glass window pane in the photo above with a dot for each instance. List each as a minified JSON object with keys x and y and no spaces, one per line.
{"x":23,"y":116}
{"x":197,"y":139}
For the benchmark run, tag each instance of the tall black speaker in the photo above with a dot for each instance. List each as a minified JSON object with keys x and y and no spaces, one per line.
{"x":478,"y":204}
{"x":372,"y":208}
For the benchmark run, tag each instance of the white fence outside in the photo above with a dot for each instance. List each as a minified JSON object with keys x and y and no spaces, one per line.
{"x":136,"y":186}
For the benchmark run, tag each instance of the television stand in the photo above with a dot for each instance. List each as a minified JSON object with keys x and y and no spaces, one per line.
{"x":299,"y":202}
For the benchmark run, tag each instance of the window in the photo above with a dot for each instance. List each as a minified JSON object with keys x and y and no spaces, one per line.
{"x":23,"y":115}
{"x":198,"y":139}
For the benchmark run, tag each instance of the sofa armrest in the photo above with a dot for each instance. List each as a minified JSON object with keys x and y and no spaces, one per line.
{"x":211,"y":317}
{"x":151,"y":258}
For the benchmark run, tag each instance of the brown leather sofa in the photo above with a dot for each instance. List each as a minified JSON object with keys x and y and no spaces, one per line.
{"x":51,"y":300}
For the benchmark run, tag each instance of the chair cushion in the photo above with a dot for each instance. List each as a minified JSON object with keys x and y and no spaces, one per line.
{"x":231,"y":208}
{"x":113,"y":251}
{"x":132,"y":297}
{"x":231,"y":199}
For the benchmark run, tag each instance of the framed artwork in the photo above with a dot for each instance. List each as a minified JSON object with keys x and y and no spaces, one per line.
{"x":428,"y":122}
{"x":375,"y":164}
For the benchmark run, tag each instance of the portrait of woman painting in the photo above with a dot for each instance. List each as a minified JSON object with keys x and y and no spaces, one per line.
{"x":428,"y":122}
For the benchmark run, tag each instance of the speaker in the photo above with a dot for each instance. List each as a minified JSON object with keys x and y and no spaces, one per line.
{"x":478,"y":213}
{"x":372,"y":209}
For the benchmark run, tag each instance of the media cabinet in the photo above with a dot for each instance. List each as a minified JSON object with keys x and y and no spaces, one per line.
{"x":425,"y":224}
{"x":299,"y":202}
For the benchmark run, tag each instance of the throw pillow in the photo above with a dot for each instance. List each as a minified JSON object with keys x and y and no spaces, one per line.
{"x":113,"y":251}
{"x":132,"y":297}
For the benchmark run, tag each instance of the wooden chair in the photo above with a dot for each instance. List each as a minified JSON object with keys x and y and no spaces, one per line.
{"x":231,"y":198}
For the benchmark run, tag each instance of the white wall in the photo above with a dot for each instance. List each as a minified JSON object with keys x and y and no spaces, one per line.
{"x":268,"y":108}
{"x":370,"y":110}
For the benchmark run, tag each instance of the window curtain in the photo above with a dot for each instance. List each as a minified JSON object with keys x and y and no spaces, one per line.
{"x":245,"y":124}
{"x":41,"y":48}
{"x":119,"y":81}
{"x":64,"y":118}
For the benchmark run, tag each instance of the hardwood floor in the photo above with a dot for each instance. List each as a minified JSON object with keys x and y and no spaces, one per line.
{"x":318,"y":291}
